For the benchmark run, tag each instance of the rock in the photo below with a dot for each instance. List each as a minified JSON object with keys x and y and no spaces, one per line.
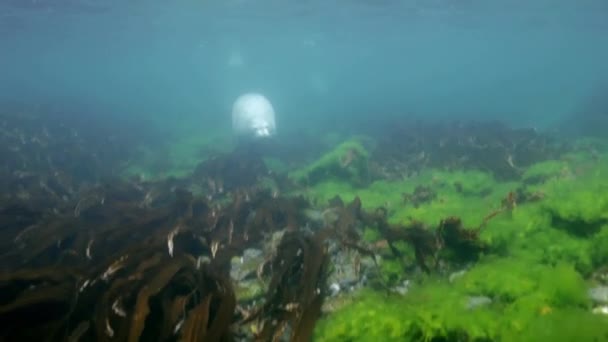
{"x":246,"y":266}
{"x":404,"y":288}
{"x":454,"y":276}
{"x":249,"y":290}
{"x":243,"y":273}
{"x":334,"y":289}
{"x":474,"y":302}
{"x":345,"y":273}
{"x":251,"y":253}
{"x":600,"y":310}
{"x":599,"y":294}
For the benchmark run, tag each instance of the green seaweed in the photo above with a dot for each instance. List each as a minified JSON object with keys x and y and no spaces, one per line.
{"x":248,"y":292}
{"x":371,"y":235}
{"x":479,"y":195}
{"x":347,"y":161}
{"x":392,"y":270}
{"x":508,"y":280}
{"x":470,"y":195}
{"x":523,"y":296}
{"x":562,"y":326}
{"x":535,"y":278}
{"x":598,"y":248}
{"x":542,"y":171}
{"x":578,"y":205}
{"x":526,"y":232}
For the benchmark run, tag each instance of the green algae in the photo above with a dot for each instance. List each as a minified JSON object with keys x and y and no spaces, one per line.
{"x":598,"y":248}
{"x":426,"y":312}
{"x":565,"y":325}
{"x":525,"y":297}
{"x":535,"y":274}
{"x":378,"y":194}
{"x":527,"y":232}
{"x":509,"y":280}
{"x":579,"y":205}
{"x":249,"y":291}
{"x":476,"y":195}
{"x":392,"y":271}
{"x":347,"y":161}
{"x":371,"y":235}
{"x":542,"y":171}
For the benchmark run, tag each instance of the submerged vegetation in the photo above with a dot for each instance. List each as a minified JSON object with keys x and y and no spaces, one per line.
{"x":459,"y":232}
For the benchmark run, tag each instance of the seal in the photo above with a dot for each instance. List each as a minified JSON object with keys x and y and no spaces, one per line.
{"x":253,"y":117}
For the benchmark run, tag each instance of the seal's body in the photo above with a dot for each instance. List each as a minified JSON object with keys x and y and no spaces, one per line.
{"x":253,"y":117}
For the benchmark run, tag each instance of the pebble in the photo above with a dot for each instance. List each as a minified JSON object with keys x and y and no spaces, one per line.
{"x":601,"y":310}
{"x":477,"y":301}
{"x":334,"y":289}
{"x":456,"y":275}
{"x":404,"y":288}
{"x":599,"y":294}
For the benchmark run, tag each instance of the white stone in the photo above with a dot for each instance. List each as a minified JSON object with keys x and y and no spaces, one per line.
{"x":334,"y":289}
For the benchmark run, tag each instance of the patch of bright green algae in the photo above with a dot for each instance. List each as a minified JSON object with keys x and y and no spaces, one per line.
{"x":598,"y":248}
{"x":378,"y":194}
{"x":348,"y":160}
{"x":540,"y":254}
{"x":514,"y":282}
{"x":568,"y":224}
{"x":525,"y":298}
{"x":583,"y":198}
{"x":249,"y":291}
{"x":470,"y":195}
{"x":544,"y":170}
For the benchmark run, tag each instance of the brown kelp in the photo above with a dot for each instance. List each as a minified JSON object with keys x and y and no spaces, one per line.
{"x":404,"y":150}
{"x":422,"y":194}
{"x":296,"y":289}
{"x":449,"y":241}
{"x":93,"y":259}
{"x":119,"y":266}
{"x":125,"y":264}
{"x":58,"y":146}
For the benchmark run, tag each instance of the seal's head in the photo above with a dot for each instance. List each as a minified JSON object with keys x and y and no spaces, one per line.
{"x":253,"y":117}
{"x":261,"y":129}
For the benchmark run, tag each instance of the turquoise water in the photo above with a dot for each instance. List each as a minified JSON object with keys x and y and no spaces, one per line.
{"x":182,"y":63}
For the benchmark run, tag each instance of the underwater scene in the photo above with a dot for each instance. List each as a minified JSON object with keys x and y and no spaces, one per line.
{"x":314,"y":170}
